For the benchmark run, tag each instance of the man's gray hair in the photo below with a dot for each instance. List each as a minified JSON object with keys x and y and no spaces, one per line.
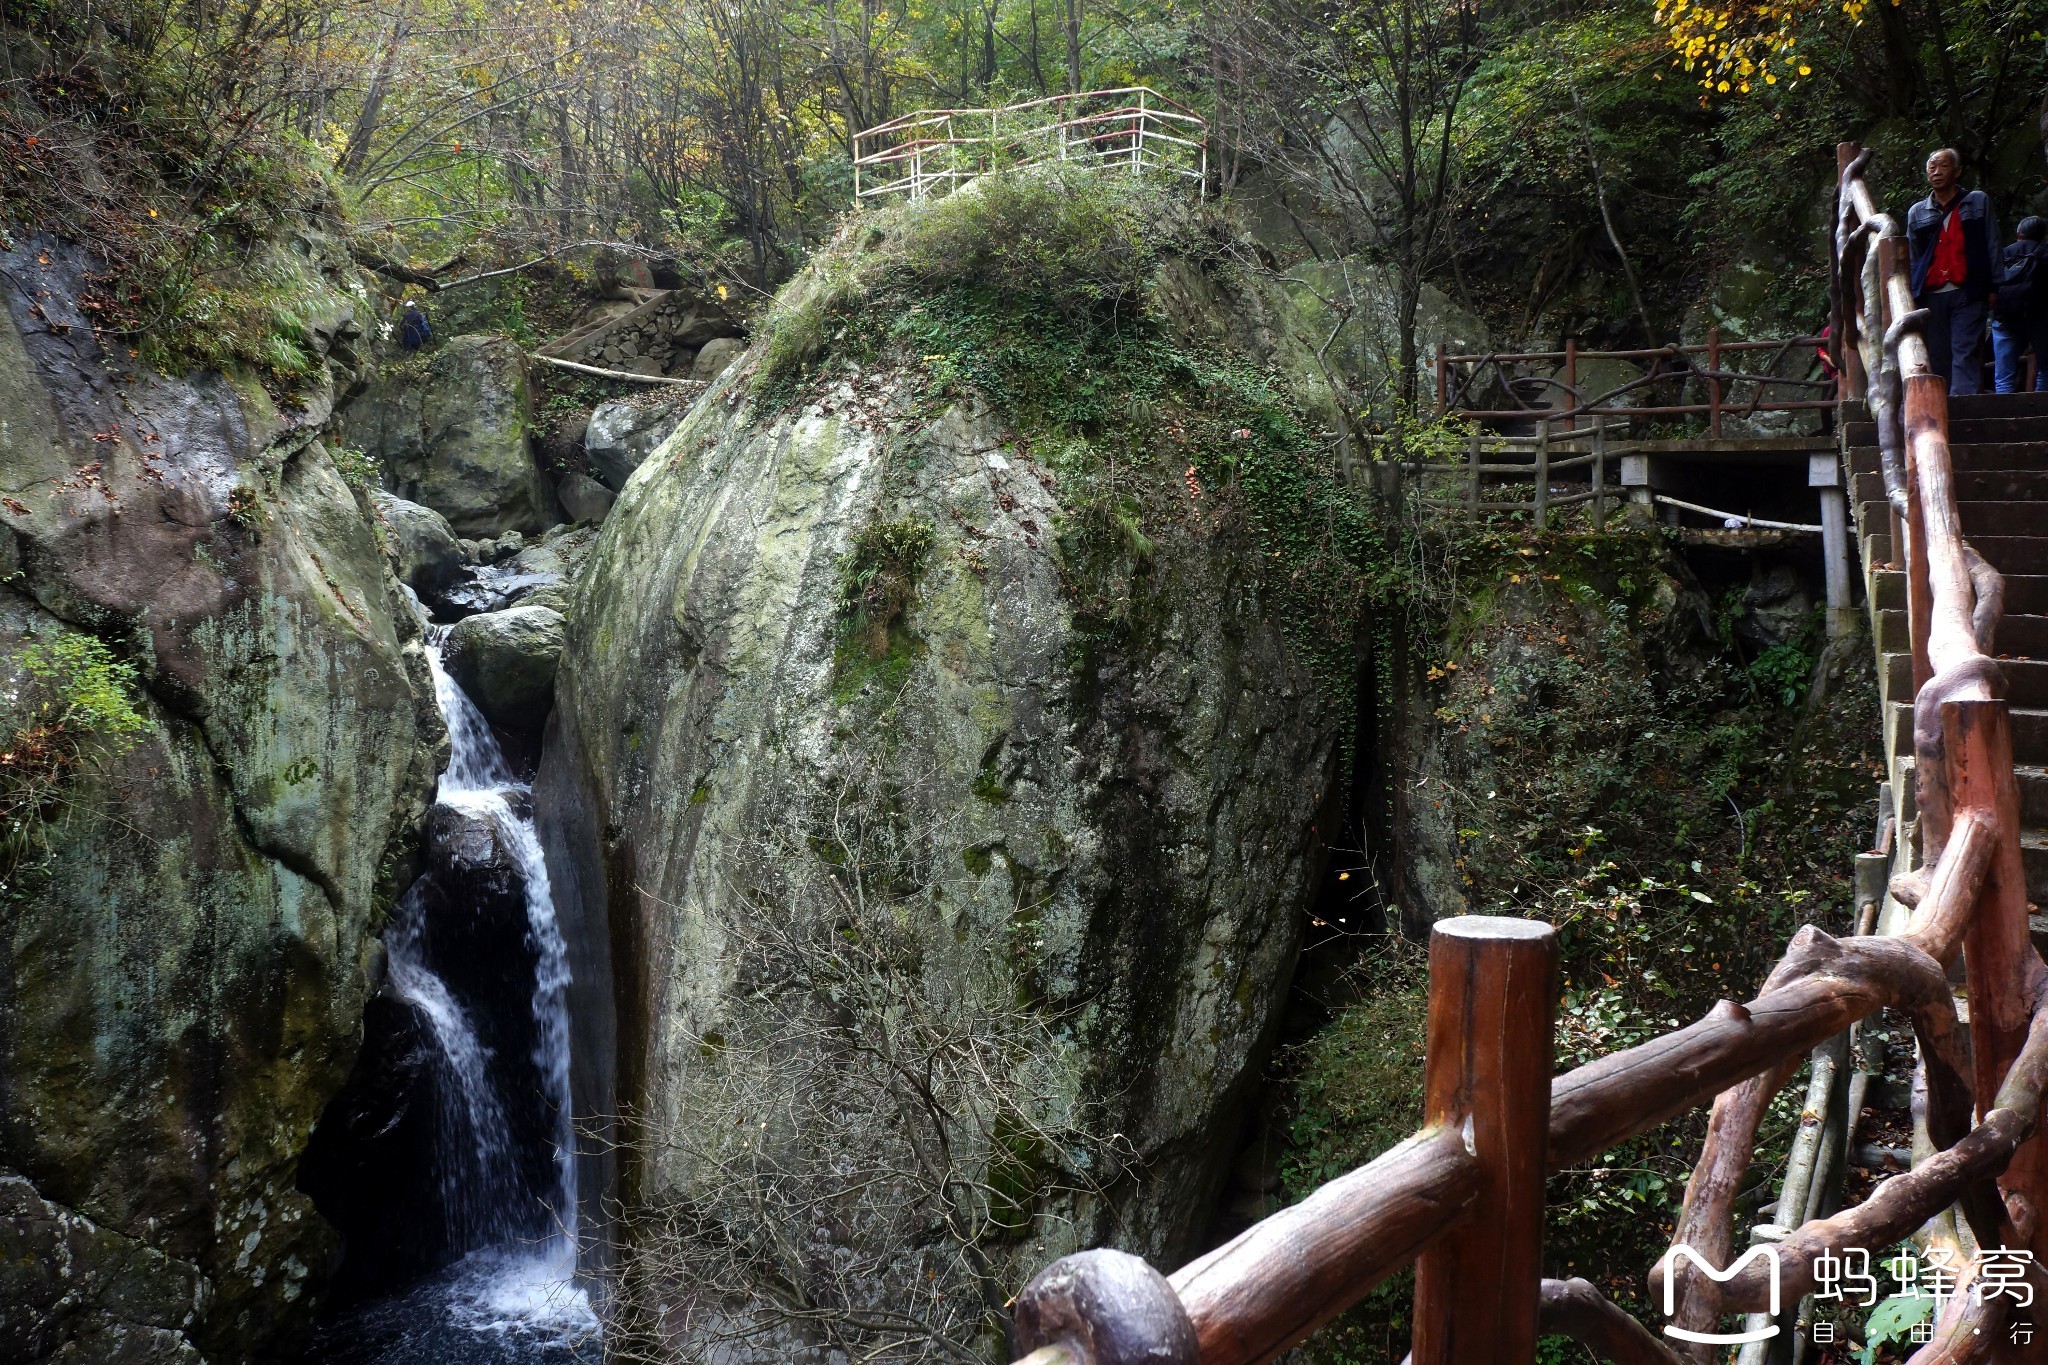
{"x":1951,"y":153}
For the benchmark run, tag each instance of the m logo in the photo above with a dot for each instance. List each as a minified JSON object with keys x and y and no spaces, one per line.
{"x":1768,"y":1253}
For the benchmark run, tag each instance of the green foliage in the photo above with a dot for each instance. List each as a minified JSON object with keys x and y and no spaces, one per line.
{"x":1356,"y":1086}
{"x":1782,"y":671}
{"x":358,"y":468}
{"x":1075,"y":240}
{"x":86,"y":690}
{"x":1891,"y":1323}
{"x":1580,"y":681}
{"x":877,"y":582}
{"x":80,"y":707}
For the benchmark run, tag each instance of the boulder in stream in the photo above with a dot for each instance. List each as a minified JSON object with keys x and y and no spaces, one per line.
{"x":506,"y":660}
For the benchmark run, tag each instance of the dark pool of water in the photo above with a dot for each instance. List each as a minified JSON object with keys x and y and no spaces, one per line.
{"x":494,"y":1307}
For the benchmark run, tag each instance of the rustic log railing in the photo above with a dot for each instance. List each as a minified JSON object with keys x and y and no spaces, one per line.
{"x":1518,"y":375}
{"x":1463,"y":1198}
{"x":931,"y":152}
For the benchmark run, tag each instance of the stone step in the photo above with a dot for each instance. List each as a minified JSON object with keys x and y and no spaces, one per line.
{"x":1998,"y":485}
{"x":1999,"y":405}
{"x":1894,"y":632}
{"x":2003,"y":518}
{"x":2034,"y":853}
{"x":1898,"y":722}
{"x":2029,"y":736}
{"x":1975,"y":405}
{"x":1988,"y":455}
{"x":1895,"y":675}
{"x":2021,"y":635}
{"x":2033,"y":793}
{"x":2026,"y":681}
{"x":1888,"y":590}
{"x":2025,"y":595}
{"x":2016,"y":555}
{"x":1975,"y":431}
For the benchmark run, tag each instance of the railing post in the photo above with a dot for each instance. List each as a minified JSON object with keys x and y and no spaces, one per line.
{"x":1472,"y":483}
{"x":1846,"y":306}
{"x":1492,"y":1000}
{"x":1443,"y":380}
{"x":1542,"y":473}
{"x":1713,"y":381}
{"x":1997,"y":952}
{"x":1571,"y":369}
{"x":1599,"y":473}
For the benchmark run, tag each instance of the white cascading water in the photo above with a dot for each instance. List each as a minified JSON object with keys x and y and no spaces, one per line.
{"x":505,"y":1285}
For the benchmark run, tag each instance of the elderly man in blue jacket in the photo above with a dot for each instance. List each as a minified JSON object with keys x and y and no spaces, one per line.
{"x":1953,"y":235}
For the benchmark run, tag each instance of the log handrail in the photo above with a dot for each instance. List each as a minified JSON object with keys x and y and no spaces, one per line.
{"x":1452,"y":387}
{"x":1456,"y":1198}
{"x":930,"y":152}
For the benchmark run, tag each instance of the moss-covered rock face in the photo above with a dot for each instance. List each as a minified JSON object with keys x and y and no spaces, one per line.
{"x":885,"y":668}
{"x":186,"y":930}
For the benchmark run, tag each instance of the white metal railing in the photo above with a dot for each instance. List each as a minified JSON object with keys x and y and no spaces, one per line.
{"x":932,"y":151}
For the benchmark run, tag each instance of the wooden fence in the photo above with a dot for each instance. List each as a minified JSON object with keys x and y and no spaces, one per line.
{"x":933,"y":151}
{"x":1518,"y":376}
{"x":1463,"y":1198}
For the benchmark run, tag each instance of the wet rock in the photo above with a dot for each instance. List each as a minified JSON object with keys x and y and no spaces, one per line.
{"x":1149,"y":792}
{"x":505,"y":661}
{"x":1777,"y":609}
{"x":183,"y":981}
{"x":423,"y":550}
{"x":72,"y":1290}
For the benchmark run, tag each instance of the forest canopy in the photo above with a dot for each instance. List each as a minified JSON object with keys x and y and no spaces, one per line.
{"x":1587,"y":167}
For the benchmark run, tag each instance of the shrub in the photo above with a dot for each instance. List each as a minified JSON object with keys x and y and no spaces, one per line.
{"x":81,"y":706}
{"x":358,"y":468}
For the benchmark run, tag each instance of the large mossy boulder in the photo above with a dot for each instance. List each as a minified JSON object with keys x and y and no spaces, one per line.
{"x":234,"y":735}
{"x":959,"y":694}
{"x":450,"y":428}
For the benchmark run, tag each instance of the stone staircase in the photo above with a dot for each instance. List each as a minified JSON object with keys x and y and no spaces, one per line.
{"x":1999,"y":445}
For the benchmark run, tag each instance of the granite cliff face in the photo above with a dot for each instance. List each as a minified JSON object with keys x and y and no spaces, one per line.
{"x":187,"y":944}
{"x":859,"y":677}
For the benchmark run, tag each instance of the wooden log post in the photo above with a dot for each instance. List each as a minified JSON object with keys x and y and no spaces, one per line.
{"x":1713,"y":381}
{"x":1599,"y":474}
{"x":1101,"y":1308}
{"x":1998,"y":955}
{"x":1472,"y":480}
{"x":1492,"y":1003}
{"x":1443,"y":381}
{"x":1844,"y":309}
{"x":1543,"y":474}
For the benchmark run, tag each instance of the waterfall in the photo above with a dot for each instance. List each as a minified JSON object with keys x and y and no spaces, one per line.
{"x":479,"y":782}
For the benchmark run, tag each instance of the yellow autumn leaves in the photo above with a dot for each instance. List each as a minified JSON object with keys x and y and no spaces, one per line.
{"x":1734,"y":46}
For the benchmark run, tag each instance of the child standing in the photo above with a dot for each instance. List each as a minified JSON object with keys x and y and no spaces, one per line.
{"x":2019,"y":315}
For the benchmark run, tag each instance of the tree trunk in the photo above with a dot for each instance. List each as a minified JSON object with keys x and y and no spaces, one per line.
{"x":1073,"y":47}
{"x":373,"y":100}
